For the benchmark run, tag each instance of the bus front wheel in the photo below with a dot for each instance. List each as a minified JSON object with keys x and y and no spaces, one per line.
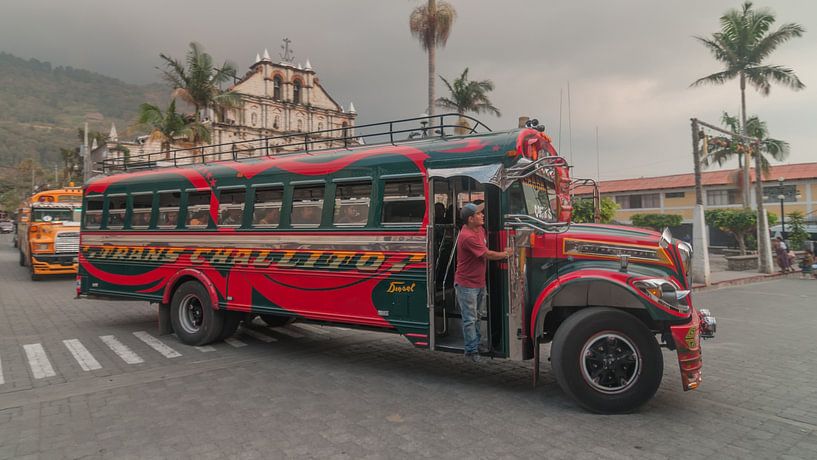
{"x":606,"y":360}
{"x":194,"y":319}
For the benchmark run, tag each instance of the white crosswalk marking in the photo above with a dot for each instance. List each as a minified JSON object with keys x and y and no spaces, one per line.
{"x":205,"y":349}
{"x":287,"y":331}
{"x":121,"y":350}
{"x":257,"y":335}
{"x":86,"y":361}
{"x":157,"y":344}
{"x":2,"y":380}
{"x":235,"y":343}
{"x":38,"y":361}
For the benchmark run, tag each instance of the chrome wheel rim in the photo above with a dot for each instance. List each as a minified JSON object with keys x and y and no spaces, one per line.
{"x":191,"y":314}
{"x":610,"y":362}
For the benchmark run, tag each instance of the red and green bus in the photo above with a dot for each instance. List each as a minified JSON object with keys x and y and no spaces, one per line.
{"x":364,"y":236}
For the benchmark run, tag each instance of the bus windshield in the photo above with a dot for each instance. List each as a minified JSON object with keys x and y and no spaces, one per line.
{"x":54,"y":215}
{"x":532,"y":196}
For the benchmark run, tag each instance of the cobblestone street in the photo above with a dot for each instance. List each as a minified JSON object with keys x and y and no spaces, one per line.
{"x":92,"y":379}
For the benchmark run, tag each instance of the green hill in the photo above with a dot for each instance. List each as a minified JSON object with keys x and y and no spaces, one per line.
{"x":42,"y":106}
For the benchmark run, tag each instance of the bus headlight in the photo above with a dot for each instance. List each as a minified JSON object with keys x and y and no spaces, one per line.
{"x":42,"y":246}
{"x":665,"y":293}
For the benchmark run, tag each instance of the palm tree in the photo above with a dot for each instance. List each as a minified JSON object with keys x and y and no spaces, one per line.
{"x":468,"y":96}
{"x":431,"y":25}
{"x":198,"y":82}
{"x":742,"y":46}
{"x":768,"y":147}
{"x":167,"y":126}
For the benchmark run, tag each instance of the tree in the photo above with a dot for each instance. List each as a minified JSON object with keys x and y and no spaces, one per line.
{"x":725,"y":149}
{"x":468,"y":96}
{"x":197,"y":81}
{"x":431,"y":25}
{"x":796,"y":230}
{"x":657,"y":222}
{"x":740,"y":223}
{"x":166,"y":126}
{"x":742,"y":45}
{"x":583,"y":211}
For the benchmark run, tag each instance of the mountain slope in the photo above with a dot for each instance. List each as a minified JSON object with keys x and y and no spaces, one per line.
{"x":41,"y":107}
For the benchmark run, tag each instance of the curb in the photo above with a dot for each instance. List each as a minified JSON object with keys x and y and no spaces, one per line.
{"x":742,"y":281}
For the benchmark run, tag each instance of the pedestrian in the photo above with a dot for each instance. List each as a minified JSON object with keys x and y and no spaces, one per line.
{"x":806,"y":265}
{"x":782,"y":254}
{"x":469,"y":279}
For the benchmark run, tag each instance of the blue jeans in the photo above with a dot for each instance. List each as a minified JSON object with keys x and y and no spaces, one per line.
{"x":471,"y":301}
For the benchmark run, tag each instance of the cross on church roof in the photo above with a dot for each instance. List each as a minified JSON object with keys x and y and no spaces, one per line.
{"x":289,"y":54}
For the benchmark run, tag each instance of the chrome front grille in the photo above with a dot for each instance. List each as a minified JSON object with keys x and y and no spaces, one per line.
{"x":66,"y":242}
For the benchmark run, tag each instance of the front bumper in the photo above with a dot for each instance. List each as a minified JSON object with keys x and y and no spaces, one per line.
{"x":687,"y":338}
{"x":54,"y":264}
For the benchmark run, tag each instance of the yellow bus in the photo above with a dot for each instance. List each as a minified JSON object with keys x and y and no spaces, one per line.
{"x":48,"y":238}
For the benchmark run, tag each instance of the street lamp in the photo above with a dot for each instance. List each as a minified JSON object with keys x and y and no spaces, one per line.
{"x":782,"y":197}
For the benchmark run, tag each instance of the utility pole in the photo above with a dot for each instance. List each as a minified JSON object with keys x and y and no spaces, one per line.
{"x":700,"y":241}
{"x":86,"y":156}
{"x":764,"y":244}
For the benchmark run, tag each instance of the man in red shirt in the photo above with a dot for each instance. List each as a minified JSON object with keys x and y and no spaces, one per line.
{"x":469,"y":279}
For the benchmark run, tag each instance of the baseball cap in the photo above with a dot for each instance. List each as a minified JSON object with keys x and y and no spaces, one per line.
{"x":470,"y":209}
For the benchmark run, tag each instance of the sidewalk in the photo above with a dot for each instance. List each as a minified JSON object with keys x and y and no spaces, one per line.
{"x":721,"y":277}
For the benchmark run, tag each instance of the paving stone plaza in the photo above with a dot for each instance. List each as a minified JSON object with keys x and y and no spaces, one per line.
{"x":92,"y":379}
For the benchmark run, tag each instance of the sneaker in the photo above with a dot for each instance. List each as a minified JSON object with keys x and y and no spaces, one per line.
{"x":473,"y":357}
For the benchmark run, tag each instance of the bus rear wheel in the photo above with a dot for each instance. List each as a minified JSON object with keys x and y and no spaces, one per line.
{"x":606,"y":360}
{"x":194,"y":319}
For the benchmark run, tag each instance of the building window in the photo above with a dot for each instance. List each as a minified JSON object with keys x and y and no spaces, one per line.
{"x":296,"y":92}
{"x":771,"y":194}
{"x":254,"y":119}
{"x":674,"y":195}
{"x":300,"y":125}
{"x":647,"y":200}
{"x":275,"y":122}
{"x":276,"y":88}
{"x":722,"y":197}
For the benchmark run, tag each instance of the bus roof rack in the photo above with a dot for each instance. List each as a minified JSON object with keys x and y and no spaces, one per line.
{"x":387,"y":132}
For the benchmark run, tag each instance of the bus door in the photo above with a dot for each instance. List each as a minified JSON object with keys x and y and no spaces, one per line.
{"x":449,"y":194}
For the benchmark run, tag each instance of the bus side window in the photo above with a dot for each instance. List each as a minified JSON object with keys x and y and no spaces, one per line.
{"x":168,"y":209}
{"x":231,"y":207}
{"x":267,"y":209}
{"x":117,"y":205}
{"x":403,"y":202}
{"x":198,"y":209}
{"x":307,"y":206}
{"x":352,"y":204}
{"x":93,"y":212}
{"x":140,"y":213}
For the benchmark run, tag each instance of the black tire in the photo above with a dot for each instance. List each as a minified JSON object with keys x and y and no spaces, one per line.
{"x":276,"y":320}
{"x":607,"y":360}
{"x":22,"y":259}
{"x":231,"y":321}
{"x":194,"y":320}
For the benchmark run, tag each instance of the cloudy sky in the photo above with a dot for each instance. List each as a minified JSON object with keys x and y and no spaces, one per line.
{"x":628,"y":63}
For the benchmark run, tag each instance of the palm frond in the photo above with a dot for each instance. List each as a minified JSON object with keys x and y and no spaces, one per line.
{"x":779,"y":74}
{"x":770,"y":42}
{"x":717,"y":78}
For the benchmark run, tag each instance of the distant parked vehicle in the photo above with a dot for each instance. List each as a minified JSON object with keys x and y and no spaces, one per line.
{"x":6,"y":226}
